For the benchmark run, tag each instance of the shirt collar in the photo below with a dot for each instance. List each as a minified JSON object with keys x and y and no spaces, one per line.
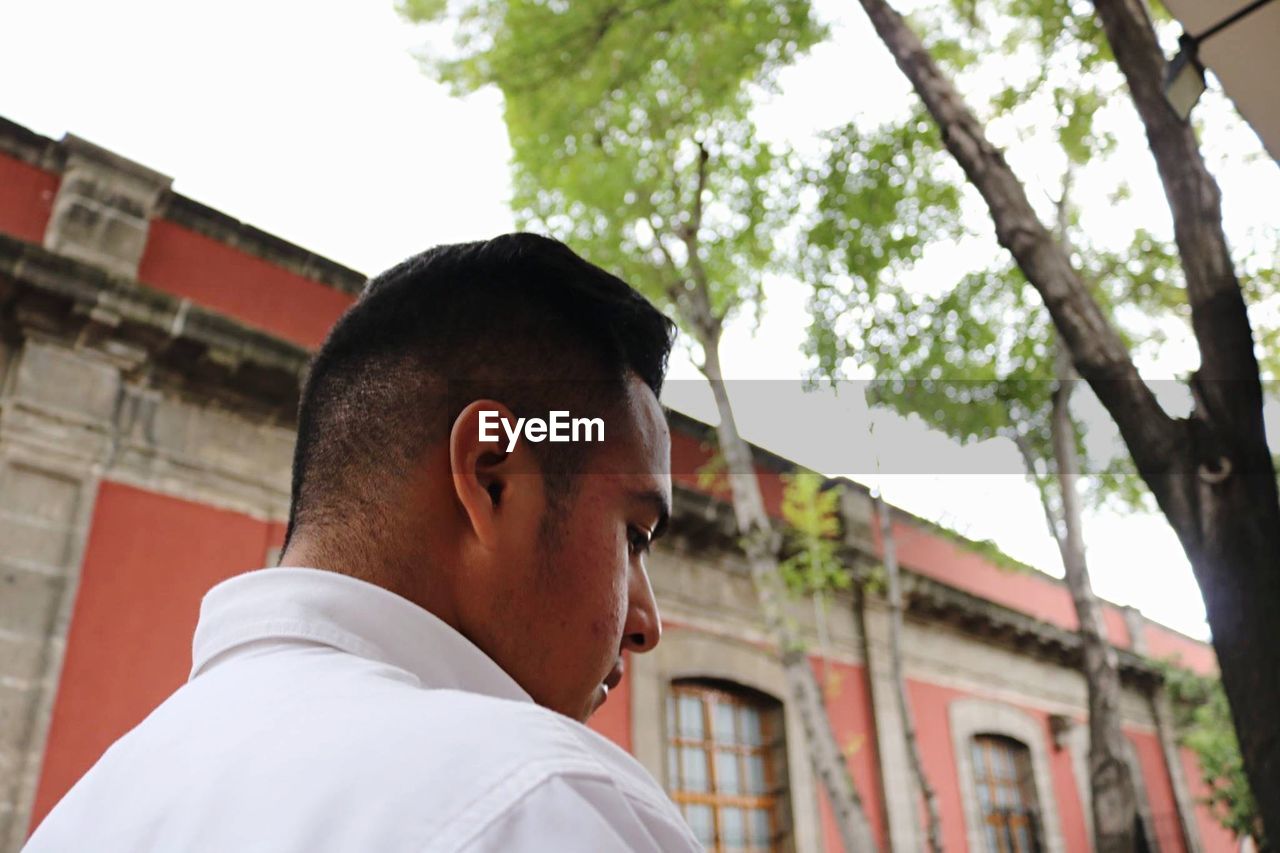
{"x":347,"y":614}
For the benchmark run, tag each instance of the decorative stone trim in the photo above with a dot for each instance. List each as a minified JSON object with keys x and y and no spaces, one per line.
{"x":971,"y":717}
{"x":902,"y":794}
{"x":103,"y":209}
{"x":692,"y":654}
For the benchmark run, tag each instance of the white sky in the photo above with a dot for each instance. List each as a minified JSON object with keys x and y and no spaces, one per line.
{"x":311,"y":120}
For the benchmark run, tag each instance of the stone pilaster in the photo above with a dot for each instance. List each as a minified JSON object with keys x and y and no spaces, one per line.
{"x":71,"y":414}
{"x":56,"y":409}
{"x":901,"y":794}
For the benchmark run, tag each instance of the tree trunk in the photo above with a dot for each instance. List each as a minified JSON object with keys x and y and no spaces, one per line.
{"x":1234,"y":541}
{"x":759,"y":542}
{"x":894,"y":583}
{"x":1212,"y":474}
{"x":1114,"y":800}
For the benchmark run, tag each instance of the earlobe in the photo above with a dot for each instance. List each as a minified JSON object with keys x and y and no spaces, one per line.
{"x":478,"y":462}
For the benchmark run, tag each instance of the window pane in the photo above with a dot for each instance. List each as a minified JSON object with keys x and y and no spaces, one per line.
{"x":760,"y":830}
{"x":671,"y":715}
{"x":993,"y":845}
{"x":727,"y":777}
{"x":693,"y":769}
{"x":1024,"y":840}
{"x":749,"y":726}
{"x":701,"y":822}
{"x":984,"y":796}
{"x":691,"y":717}
{"x":979,"y":758}
{"x":722,"y":723}
{"x":673,"y":770}
{"x":733,"y":829}
{"x":757,"y":781}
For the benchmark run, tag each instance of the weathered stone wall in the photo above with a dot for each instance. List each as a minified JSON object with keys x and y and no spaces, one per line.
{"x":71,"y":415}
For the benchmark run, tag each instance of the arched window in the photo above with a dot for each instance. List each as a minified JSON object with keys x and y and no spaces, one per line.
{"x":1006,"y":792}
{"x":725,"y":766}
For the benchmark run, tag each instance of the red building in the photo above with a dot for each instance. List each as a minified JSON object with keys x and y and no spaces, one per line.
{"x":150,"y":355}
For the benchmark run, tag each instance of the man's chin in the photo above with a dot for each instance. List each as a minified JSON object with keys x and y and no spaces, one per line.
{"x":598,"y":698}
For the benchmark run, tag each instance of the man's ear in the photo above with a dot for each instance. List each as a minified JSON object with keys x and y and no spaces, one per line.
{"x":480,"y":464}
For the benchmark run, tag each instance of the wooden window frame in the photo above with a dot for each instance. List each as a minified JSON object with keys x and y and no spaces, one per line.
{"x":772,"y":739}
{"x":1025,"y":814}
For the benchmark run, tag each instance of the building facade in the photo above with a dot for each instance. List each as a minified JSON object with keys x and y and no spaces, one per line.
{"x":151,"y":350}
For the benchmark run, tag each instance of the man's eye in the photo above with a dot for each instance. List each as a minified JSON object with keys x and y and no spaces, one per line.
{"x":638,"y":540}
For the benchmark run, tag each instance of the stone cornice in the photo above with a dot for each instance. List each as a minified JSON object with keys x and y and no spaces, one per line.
{"x":700,"y":521}
{"x":82,"y":300}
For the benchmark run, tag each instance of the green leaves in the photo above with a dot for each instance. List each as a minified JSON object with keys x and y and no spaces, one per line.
{"x":812,"y":537}
{"x":1202,"y":718}
{"x":630,"y":130}
{"x":882,"y":197}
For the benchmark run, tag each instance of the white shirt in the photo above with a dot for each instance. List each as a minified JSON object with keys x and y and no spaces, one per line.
{"x":326,"y":714}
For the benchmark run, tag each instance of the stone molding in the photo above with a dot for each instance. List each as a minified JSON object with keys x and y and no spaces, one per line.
{"x":901,"y":791}
{"x":971,"y":717}
{"x":691,"y":654}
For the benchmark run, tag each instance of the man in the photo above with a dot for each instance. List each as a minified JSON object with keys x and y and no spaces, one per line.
{"x":450,"y":605}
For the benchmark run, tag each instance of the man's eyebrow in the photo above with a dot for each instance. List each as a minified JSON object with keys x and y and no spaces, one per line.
{"x":661,"y":506}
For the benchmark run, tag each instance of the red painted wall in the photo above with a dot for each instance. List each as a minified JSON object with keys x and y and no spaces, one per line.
{"x":852,"y":722}
{"x":1163,"y":643}
{"x":1164,"y":808}
{"x":1071,"y":809}
{"x":240,"y":285}
{"x":1214,"y":837}
{"x":26,"y":199}
{"x":943,"y":559}
{"x":148,"y":562}
{"x":689,"y":455}
{"x":929,"y":707}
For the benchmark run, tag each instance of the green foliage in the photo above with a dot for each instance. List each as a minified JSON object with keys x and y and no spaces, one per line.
{"x":630,"y":131}
{"x":1202,"y":718}
{"x":713,"y":475}
{"x":882,"y":197}
{"x":812,"y":535}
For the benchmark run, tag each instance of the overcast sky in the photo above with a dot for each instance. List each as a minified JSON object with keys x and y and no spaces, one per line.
{"x":312,"y":120}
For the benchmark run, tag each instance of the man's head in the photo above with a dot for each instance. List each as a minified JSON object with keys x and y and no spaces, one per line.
{"x":533,"y":552}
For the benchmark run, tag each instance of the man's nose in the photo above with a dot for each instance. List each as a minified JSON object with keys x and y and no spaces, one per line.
{"x":643,"y":628}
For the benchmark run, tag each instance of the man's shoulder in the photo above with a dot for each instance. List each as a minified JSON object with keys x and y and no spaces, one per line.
{"x":510,"y":732}
{"x":523,"y":757}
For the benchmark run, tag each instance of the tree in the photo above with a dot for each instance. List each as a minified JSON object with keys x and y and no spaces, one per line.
{"x":1015,"y":386}
{"x":813,"y":568}
{"x":631,"y":140}
{"x":1211,"y":473}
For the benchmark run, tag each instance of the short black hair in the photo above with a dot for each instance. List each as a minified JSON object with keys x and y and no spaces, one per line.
{"x":520,"y":319}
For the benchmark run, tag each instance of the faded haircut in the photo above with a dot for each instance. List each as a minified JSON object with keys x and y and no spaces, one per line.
{"x":519,"y":319}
